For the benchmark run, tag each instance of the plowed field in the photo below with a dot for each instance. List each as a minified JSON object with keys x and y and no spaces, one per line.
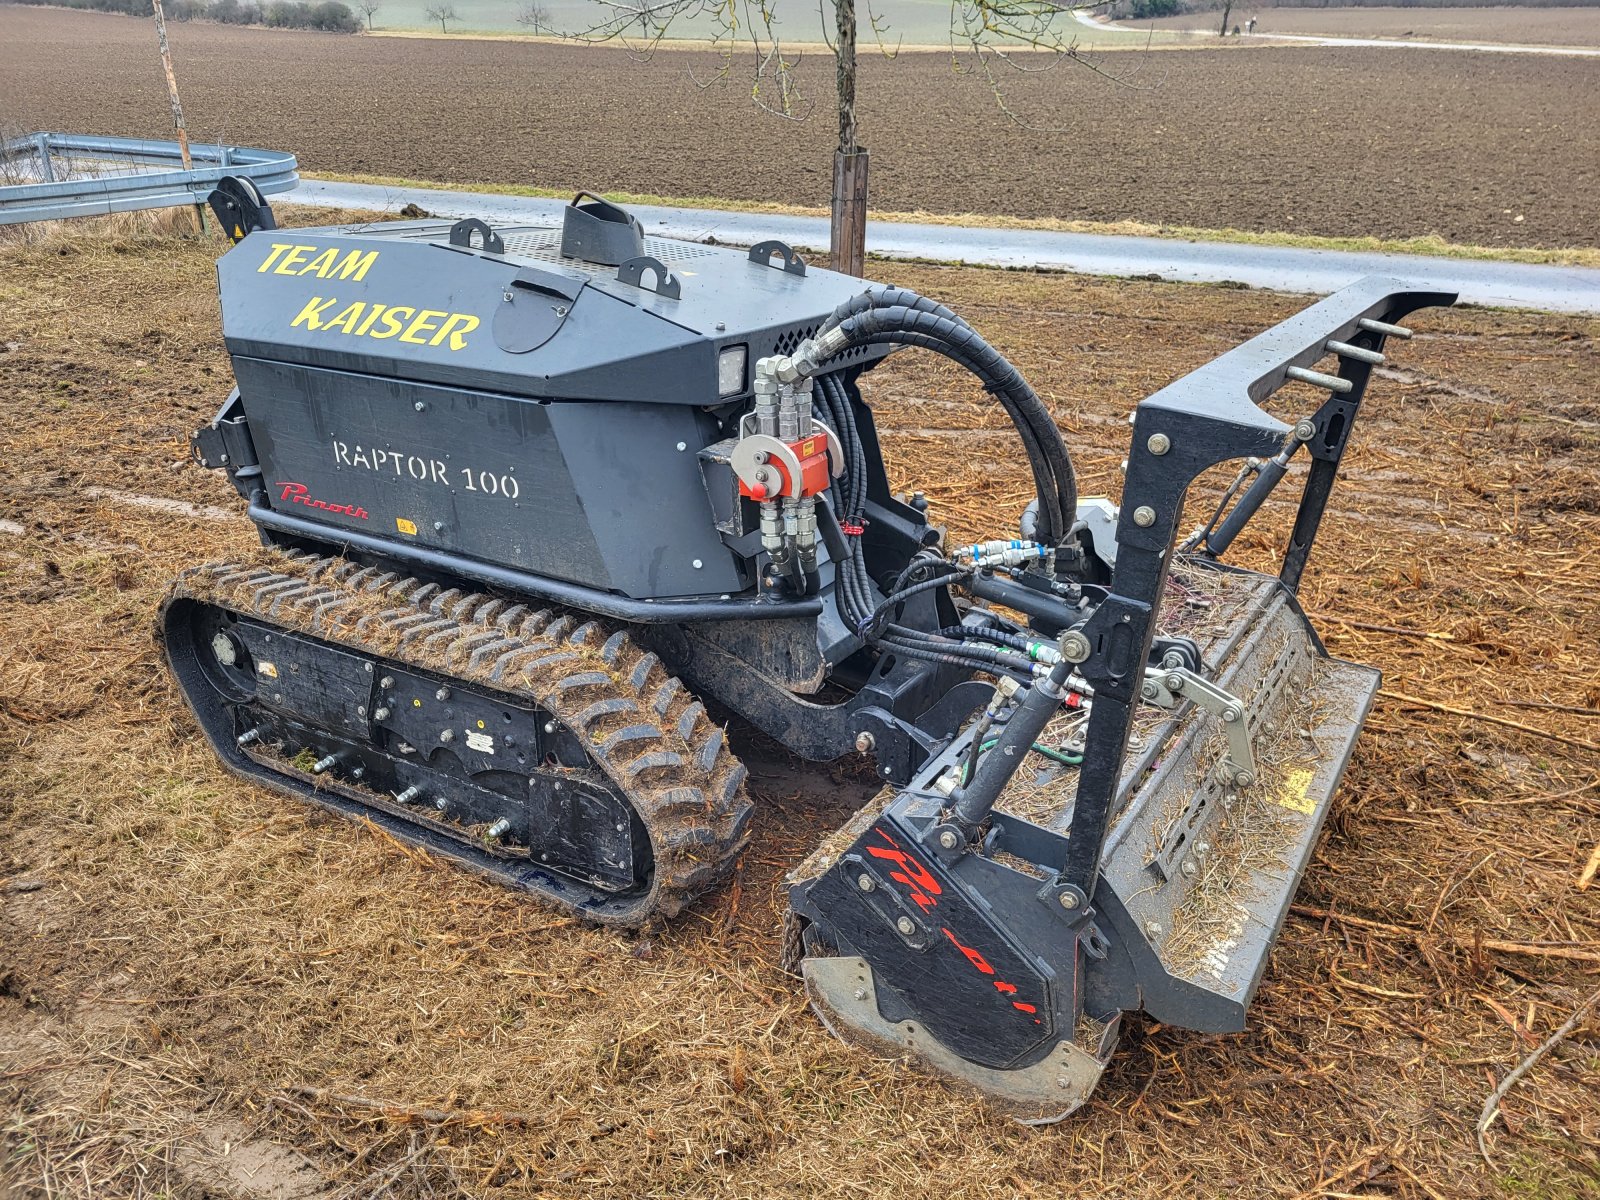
{"x":1477,"y":148}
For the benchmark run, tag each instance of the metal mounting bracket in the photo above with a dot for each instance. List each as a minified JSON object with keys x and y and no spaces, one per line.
{"x":1164,"y":687}
{"x":666,"y":283}
{"x":762,"y":252}
{"x":490,"y":242}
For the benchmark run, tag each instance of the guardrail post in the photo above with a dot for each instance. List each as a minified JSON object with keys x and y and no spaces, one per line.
{"x":46,"y":167}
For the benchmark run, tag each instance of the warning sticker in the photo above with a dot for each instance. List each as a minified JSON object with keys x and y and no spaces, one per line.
{"x":483,"y":743}
{"x":405,"y":526}
{"x":270,"y":670}
{"x":1294,"y":792}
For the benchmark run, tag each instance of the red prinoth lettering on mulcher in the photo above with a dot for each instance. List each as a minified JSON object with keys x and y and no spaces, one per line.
{"x":298,"y":493}
{"x":616,"y":496}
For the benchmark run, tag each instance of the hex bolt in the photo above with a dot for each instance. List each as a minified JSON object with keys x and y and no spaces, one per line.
{"x":949,"y":840}
{"x":407,"y":796}
{"x":906,"y":926}
{"x":1063,"y":1082}
{"x":323,"y":764}
{"x":1075,"y":646}
{"x":222,"y":649}
{"x":1230,"y":715}
{"x":1144,"y":516}
{"x":1189,"y":869}
{"x":1244,"y":778}
{"x":682,"y":446}
{"x":419,"y":405}
{"x":1069,"y":900}
{"x":1123,"y":466}
{"x":358,"y":772}
{"x":1149,"y":690}
{"x":500,"y":828}
{"x":866,"y":882}
{"x":698,"y":563}
{"x":441,"y":804}
{"x":1305,"y":430}
{"x":447,"y":735}
{"x":361,"y":710}
{"x":248,"y":737}
{"x":1159,"y":443}
{"x":860,"y":993}
{"x":1203,"y":849}
{"x":1172,"y":660}
{"x":442,"y":694}
{"x":380,"y":714}
{"x":549,"y":726}
{"x":438,"y":526}
{"x":386,"y":682}
{"x":1174,"y":682}
{"x":865,"y":742}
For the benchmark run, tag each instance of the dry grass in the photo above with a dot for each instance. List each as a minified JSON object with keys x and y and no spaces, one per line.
{"x":205,"y":970}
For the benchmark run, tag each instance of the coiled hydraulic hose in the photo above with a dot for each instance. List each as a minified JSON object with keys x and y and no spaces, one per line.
{"x":897,"y":316}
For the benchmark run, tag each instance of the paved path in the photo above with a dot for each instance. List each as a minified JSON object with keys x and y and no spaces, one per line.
{"x":1277,"y":268}
{"x":1099,"y":25}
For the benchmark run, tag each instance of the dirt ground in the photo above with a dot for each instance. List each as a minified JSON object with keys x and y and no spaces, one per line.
{"x":1513,"y":25}
{"x":1481,"y":149}
{"x":206,"y":990}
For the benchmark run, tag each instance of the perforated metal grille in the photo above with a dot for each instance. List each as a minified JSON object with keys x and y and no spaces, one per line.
{"x":788,"y":343}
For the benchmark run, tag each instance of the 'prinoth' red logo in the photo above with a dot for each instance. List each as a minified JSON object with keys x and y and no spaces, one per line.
{"x":298,"y":493}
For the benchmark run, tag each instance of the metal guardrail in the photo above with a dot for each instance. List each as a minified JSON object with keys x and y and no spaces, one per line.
{"x":74,"y":175}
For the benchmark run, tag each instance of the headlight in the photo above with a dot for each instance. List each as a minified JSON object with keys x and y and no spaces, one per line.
{"x":730,"y":370}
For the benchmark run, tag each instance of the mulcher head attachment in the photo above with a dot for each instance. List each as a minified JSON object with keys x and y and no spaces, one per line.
{"x":996,"y":918}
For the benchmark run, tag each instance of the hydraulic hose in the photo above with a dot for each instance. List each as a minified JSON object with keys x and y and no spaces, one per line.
{"x":1053,"y":473}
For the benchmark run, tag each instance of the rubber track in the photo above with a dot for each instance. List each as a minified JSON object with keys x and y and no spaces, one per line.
{"x":642,"y":728}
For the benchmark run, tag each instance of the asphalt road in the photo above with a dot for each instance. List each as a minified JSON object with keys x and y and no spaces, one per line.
{"x":1276,"y":268}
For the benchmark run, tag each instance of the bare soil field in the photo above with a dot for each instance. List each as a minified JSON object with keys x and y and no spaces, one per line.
{"x":207,"y":990}
{"x":1476,"y":148}
{"x":1495,"y":26}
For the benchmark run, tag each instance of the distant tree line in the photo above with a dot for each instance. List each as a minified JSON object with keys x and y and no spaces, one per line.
{"x":328,"y":15}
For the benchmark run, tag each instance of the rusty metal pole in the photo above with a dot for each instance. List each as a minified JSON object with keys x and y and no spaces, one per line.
{"x":196,"y":213}
{"x":848,"y":230}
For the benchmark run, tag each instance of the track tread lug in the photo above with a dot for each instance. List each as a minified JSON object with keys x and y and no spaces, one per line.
{"x":614,"y":645}
{"x":689,"y":719}
{"x":641,"y":670}
{"x":706,"y":755}
{"x":666,"y":694}
{"x":629,"y":733}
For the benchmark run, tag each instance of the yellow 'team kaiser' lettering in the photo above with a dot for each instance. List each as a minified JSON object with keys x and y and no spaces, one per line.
{"x":286,"y":258}
{"x":386,"y":321}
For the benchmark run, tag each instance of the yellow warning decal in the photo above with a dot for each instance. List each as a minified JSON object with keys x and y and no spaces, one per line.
{"x":405,"y":526}
{"x":270,"y":670}
{"x":1294,"y":794}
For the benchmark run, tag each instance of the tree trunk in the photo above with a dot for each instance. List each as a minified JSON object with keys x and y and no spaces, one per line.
{"x":1226,"y":9}
{"x":848,"y":232}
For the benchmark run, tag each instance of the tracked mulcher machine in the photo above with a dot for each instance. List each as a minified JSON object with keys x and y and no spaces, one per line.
{"x":533,"y":499}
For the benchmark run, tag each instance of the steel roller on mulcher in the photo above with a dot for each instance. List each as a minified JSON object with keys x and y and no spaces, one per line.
{"x":529,"y":498}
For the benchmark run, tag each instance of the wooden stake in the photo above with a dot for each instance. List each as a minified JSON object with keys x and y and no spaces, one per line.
{"x":847,"y":233}
{"x":196,"y":212}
